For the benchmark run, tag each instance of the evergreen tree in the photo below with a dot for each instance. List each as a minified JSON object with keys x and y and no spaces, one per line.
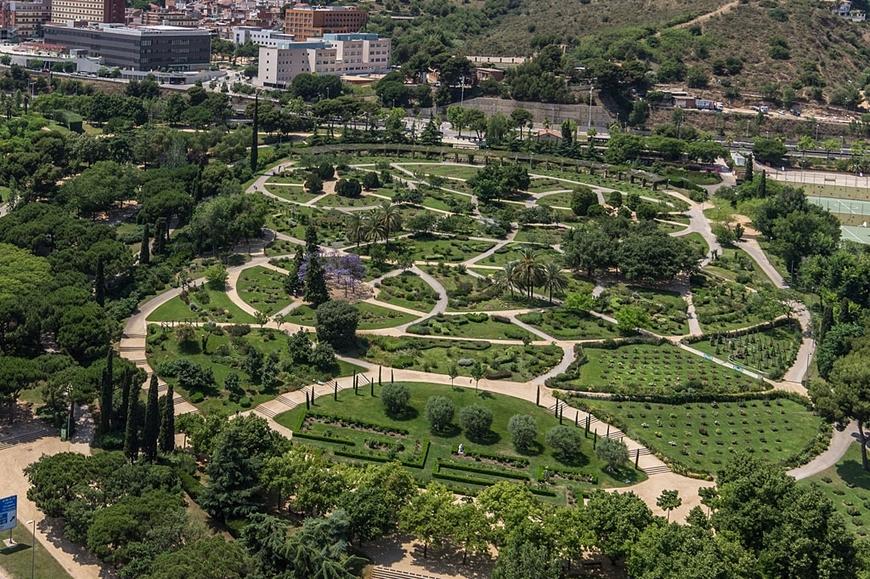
{"x":762,"y":185}
{"x":292,"y":284}
{"x":431,"y":134}
{"x":158,"y":235}
{"x":106,"y":392}
{"x":126,"y":381}
{"x":100,"y":283}
{"x":145,"y":250}
{"x":152,"y":421}
{"x":750,"y":160}
{"x":316,"y":291}
{"x":131,"y":430}
{"x":167,"y":422}
{"x":310,"y":238}
{"x":255,"y":130}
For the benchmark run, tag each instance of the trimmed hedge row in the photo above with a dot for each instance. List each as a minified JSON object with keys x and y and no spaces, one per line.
{"x":321,"y":438}
{"x":576,"y":399}
{"x":517,"y":462}
{"x":757,"y":328}
{"x":332,"y":418}
{"x":504,"y":473}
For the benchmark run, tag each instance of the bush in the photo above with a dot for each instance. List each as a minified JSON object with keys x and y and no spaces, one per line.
{"x":566,"y":443}
{"x":348,"y":188}
{"x":476,"y":420}
{"x":613,"y":452}
{"x":524,"y":431}
{"x":395,"y":398}
{"x":439,"y":413}
{"x":336,"y":322}
{"x":313,"y":184}
{"x":217,"y":277}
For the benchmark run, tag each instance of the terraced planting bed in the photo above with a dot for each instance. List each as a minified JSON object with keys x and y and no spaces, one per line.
{"x":435,"y":249}
{"x":407,"y":290}
{"x":292,"y":220}
{"x":771,"y":351}
{"x":666,"y":310}
{"x":356,"y":428}
{"x":736,"y":265}
{"x":702,"y":437}
{"x":204,"y":384}
{"x":540,"y":235}
{"x":650,"y":369}
{"x":722,"y":305}
{"x":515,"y":363}
{"x":847,"y":484}
{"x":567,"y":325}
{"x":201,"y":305}
{"x":371,"y":316}
{"x":472,"y":326}
{"x":263,"y":288}
{"x":514,"y":251}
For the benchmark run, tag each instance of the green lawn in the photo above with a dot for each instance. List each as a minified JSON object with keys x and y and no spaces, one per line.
{"x":468,"y":293}
{"x":513,"y":252}
{"x":698,"y":242}
{"x":702,"y":437}
{"x":666,"y":310}
{"x":454,"y":171}
{"x":292,"y":220}
{"x":847,"y":484}
{"x":204,"y":304}
{"x":281,"y":247}
{"x":408,"y":291}
{"x":483,"y":463}
{"x":5,"y":193}
{"x":516,"y":363}
{"x":540,"y":235}
{"x":542,"y":184}
{"x":735,"y":264}
{"x":294,"y":194}
{"x":472,"y":326}
{"x":429,"y":249}
{"x":263,"y":288}
{"x":770,"y":351}
{"x":18,"y":561}
{"x":566,"y":325}
{"x":556,"y":200}
{"x":339,"y":201}
{"x":371,"y":316}
{"x":225,"y":355}
{"x":722,"y":305}
{"x":647,"y":369}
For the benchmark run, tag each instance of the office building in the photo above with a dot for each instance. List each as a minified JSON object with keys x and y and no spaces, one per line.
{"x":305,"y":22}
{"x":67,"y":11}
{"x":334,"y":54}
{"x":259,"y":36}
{"x":24,"y":20}
{"x":143,"y":48}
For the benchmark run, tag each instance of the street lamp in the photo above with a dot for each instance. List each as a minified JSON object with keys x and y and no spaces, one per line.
{"x":32,"y":547}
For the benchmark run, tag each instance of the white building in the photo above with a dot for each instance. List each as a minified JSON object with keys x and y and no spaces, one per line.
{"x":259,"y":36}
{"x":335,"y":54}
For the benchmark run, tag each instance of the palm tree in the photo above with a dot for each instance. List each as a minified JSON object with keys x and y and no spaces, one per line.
{"x":529,"y":271}
{"x":357,"y":229}
{"x":374,"y":229}
{"x":389,"y":220}
{"x":505,"y":278}
{"x":554,"y":281}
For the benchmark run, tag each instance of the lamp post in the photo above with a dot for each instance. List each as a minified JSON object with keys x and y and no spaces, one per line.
{"x":32,"y":547}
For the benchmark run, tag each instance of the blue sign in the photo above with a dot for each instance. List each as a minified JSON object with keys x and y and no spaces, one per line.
{"x":8,"y":508}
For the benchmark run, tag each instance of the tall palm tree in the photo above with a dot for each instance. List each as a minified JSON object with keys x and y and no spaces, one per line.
{"x":390,"y":220}
{"x":554,"y":281}
{"x":505,"y":278}
{"x":357,"y":228}
{"x":374,"y":229}
{"x":529,"y":271}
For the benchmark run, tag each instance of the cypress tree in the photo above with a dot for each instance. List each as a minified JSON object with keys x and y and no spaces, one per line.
{"x":100,"y":283}
{"x":145,"y":250}
{"x":316,"y":291}
{"x":762,"y":185}
{"x":125,"y":397}
{"x":106,"y":392}
{"x":750,"y":160}
{"x":158,"y":235}
{"x":131,"y":430}
{"x":152,"y":421}
{"x":254,"y":134}
{"x":310,"y":238}
{"x":167,"y":422}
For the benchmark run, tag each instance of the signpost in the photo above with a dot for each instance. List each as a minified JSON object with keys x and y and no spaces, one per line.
{"x":8,"y":516}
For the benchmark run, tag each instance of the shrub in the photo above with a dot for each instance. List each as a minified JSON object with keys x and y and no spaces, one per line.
{"x":566,"y":443}
{"x":336,"y":322}
{"x":395,"y":398}
{"x":613,"y":452}
{"x":524,"y":431}
{"x":476,"y":420}
{"x":439,"y":413}
{"x":216,"y":276}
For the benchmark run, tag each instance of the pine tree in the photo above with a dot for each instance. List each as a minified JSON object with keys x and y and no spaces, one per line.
{"x":145,"y":250}
{"x":152,"y":421}
{"x":310,"y":238}
{"x":106,"y":392}
{"x":255,"y":130}
{"x":292,"y":284}
{"x":316,"y":291}
{"x":131,"y":430}
{"x":167,"y":422}
{"x":100,"y":283}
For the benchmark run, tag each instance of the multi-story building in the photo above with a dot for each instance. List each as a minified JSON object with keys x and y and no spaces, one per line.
{"x":335,"y":54}
{"x":66,"y":11}
{"x":259,"y":36}
{"x":304,"y":22}
{"x":24,"y":19}
{"x":169,"y":18}
{"x":143,"y":48}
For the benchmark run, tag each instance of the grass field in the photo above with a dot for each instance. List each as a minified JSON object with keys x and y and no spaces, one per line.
{"x":292,"y":220}
{"x":722,"y":305}
{"x":703,"y":436}
{"x":263,"y":288}
{"x":294,"y":194}
{"x":666,"y":310}
{"x":446,"y":250}
{"x":516,"y":363}
{"x":445,"y":170}
{"x":736,"y":265}
{"x":408,"y":291}
{"x":207,"y":304}
{"x":540,"y":235}
{"x":847,"y":484}
{"x":646,"y":369}
{"x":771,"y":351}
{"x":371,"y":316}
{"x":466,"y":473}
{"x":544,"y":184}
{"x":471,"y":326}
{"x":566,"y":325}
{"x":468,"y":293}
{"x":17,"y":561}
{"x":513,"y":252}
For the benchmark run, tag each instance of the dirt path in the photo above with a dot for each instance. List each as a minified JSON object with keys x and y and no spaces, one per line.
{"x":724,"y":9}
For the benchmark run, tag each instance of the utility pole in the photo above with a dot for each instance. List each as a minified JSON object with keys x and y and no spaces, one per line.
{"x":589,"y":122}
{"x":461,"y":90}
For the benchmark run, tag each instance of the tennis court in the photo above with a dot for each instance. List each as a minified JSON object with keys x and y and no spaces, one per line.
{"x":844,"y":206}
{"x":856,"y":234}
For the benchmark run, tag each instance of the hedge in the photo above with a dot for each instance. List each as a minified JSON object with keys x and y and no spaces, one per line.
{"x":762,"y":327}
{"x":575,"y":399}
{"x":332,"y":418}
{"x":517,"y":462}
{"x":479,"y":470}
{"x":332,"y":439}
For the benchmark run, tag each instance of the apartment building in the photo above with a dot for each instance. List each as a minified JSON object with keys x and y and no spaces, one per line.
{"x":305,"y":22}
{"x":66,"y":11}
{"x":24,"y":20}
{"x":143,"y":48}
{"x":335,"y":54}
{"x":169,"y":18}
{"x":259,"y":36}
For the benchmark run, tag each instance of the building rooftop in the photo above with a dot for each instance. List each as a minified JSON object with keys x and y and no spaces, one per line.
{"x":322,"y":8}
{"x":161,"y":29}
